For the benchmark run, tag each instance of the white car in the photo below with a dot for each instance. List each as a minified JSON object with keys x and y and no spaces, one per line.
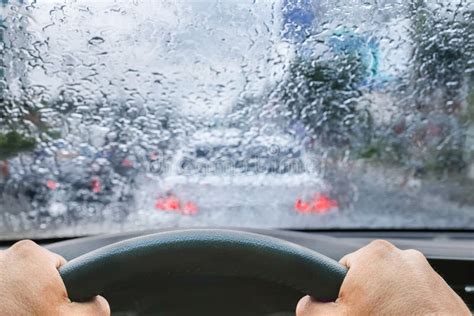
{"x":219,"y":168}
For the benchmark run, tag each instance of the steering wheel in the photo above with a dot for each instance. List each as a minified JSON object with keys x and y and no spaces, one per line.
{"x":203,"y":253}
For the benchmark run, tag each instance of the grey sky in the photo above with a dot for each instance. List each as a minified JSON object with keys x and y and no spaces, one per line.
{"x":168,"y":50}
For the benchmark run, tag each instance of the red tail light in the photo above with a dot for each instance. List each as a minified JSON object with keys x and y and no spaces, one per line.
{"x":51,"y":184}
{"x":173,"y":204}
{"x":302,"y":207}
{"x":95,"y":185}
{"x":320,"y":204}
{"x":160,"y":204}
{"x":127,"y":163}
{"x":190,"y":209}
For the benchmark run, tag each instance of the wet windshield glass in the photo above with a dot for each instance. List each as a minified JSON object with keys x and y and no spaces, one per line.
{"x":121,"y":115}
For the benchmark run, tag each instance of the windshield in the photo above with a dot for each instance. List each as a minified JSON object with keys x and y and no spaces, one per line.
{"x":309,"y":114}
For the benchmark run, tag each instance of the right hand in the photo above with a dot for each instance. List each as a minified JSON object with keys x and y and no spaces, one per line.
{"x":384,"y":280}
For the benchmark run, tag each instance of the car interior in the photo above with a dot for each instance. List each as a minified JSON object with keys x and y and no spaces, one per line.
{"x":219,"y":157}
{"x":138,"y":272}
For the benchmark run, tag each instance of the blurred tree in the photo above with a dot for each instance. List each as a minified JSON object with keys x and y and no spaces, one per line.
{"x":443,"y":52}
{"x":15,"y":115}
{"x":13,"y":143}
{"x":324,"y":96}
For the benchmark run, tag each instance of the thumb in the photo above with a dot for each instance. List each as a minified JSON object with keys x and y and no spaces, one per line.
{"x":307,"y":306}
{"x":97,"y":306}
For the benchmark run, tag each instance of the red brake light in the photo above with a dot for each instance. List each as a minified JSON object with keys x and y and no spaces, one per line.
{"x":302,"y":207}
{"x":321,"y":203}
{"x":95,"y":185}
{"x":51,"y":184}
{"x":127,"y":163}
{"x":173,"y":204}
{"x":160,"y":204}
{"x":190,"y":208}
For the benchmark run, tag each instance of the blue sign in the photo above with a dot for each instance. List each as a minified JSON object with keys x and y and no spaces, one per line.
{"x":298,"y":19}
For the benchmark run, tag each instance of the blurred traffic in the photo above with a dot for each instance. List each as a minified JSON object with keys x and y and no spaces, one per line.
{"x":297,"y":114}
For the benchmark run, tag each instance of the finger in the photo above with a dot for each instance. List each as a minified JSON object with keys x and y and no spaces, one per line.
{"x":375,"y":248}
{"x":97,"y":306}
{"x":415,"y":255}
{"x":53,"y":258}
{"x":29,"y":250}
{"x":307,"y":306}
{"x":346,"y":260}
{"x":58,"y":260}
{"x":349,"y":259}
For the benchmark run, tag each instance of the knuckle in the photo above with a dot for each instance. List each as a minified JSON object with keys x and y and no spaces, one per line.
{"x":24,"y":246}
{"x":415,"y":254}
{"x":381,"y":246}
{"x":60,"y":259}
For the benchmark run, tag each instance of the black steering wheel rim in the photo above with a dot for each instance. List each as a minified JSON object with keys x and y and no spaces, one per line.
{"x":204,"y":252}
